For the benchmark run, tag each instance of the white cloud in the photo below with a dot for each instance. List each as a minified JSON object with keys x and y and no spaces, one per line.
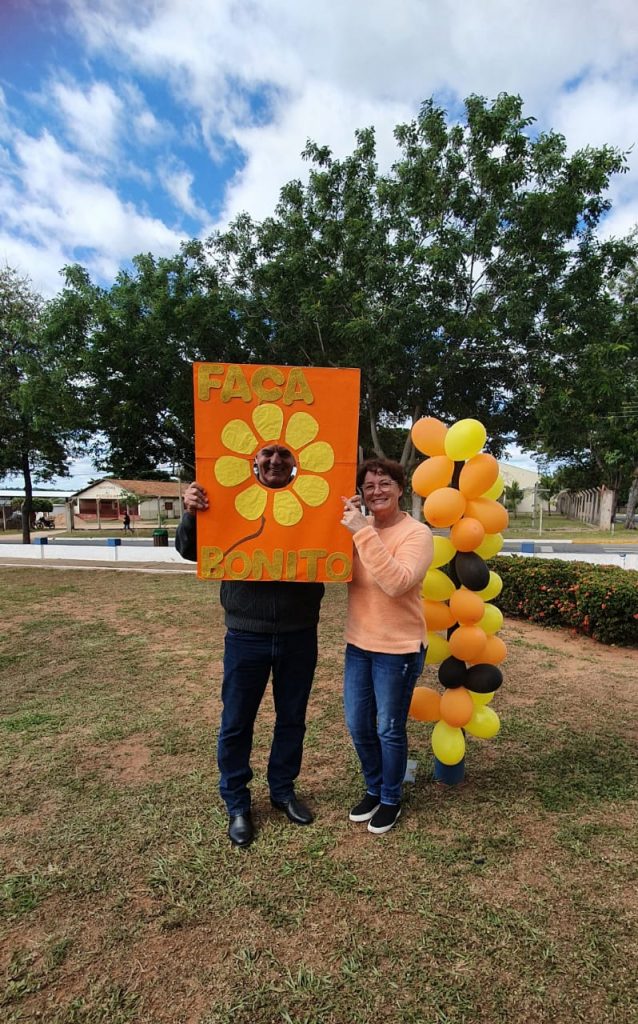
{"x":93,"y":116}
{"x":264,"y":75}
{"x":275,"y":148}
{"x":178,"y":182}
{"x":56,"y":205}
{"x":334,"y":67}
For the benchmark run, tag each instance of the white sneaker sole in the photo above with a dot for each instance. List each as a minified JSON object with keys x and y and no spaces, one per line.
{"x":364,"y":817}
{"x":384,"y":828}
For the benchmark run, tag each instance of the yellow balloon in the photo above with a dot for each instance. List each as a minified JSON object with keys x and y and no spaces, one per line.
{"x":493,"y":588}
{"x":481,"y":698}
{"x":438,"y":649}
{"x":492,"y":619}
{"x":437,"y":586}
{"x":464,"y":439}
{"x":484,"y":723}
{"x":448,"y":743}
{"x":496,"y":489}
{"x":444,"y":552}
{"x":490,"y":545}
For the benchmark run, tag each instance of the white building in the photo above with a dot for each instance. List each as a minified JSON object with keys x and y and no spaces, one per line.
{"x":527,"y":480}
{"x":143,"y":499}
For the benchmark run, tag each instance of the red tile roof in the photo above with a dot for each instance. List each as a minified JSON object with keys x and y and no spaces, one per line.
{"x":146,"y":488}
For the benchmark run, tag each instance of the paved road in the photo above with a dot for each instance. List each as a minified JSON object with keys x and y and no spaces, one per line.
{"x":573,"y":546}
{"x":540,"y":544}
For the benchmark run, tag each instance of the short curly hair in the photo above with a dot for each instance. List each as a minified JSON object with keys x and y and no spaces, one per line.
{"x":382,"y":467}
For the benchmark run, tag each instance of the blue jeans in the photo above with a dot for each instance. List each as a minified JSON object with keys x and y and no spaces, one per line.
{"x":249,"y":659}
{"x":377,"y":694}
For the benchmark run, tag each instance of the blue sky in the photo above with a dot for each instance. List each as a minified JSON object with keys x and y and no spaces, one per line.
{"x":127,"y":128}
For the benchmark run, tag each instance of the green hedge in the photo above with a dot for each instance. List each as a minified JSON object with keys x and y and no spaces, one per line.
{"x":599,"y":600}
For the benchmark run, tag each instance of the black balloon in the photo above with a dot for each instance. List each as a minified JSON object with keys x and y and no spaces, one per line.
{"x":452,"y":673}
{"x":483,"y":678}
{"x":471,"y":570}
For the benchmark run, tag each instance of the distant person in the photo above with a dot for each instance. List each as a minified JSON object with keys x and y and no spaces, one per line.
{"x":385,"y":635}
{"x":271,"y":627}
{"x":127,"y":523}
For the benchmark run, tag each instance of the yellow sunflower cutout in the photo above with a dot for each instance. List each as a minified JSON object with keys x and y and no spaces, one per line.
{"x":312,"y":457}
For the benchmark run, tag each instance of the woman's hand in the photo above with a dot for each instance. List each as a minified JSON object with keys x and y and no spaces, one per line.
{"x":353,"y":519}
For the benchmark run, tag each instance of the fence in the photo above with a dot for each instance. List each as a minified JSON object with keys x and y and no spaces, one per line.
{"x":594,"y":506}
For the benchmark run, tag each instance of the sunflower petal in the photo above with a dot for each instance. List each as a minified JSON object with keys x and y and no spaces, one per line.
{"x":230,"y":471}
{"x":268,"y":420}
{"x":317,"y":457}
{"x":302,"y":429}
{"x":312,"y":489}
{"x":238,"y":436}
{"x":251,"y":503}
{"x":286,"y":509}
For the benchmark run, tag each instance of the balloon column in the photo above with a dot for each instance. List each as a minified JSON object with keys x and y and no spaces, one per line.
{"x":460,"y":485}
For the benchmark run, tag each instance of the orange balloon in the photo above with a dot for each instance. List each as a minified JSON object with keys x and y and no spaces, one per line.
{"x":444,"y":506}
{"x":478,"y":475}
{"x":438,"y":615}
{"x":457,"y":707}
{"x":490,"y":513}
{"x":425,"y":705}
{"x":467,"y":534}
{"x":467,"y":643}
{"x":432,"y":474}
{"x":428,"y":435}
{"x":493,"y":653}
{"x":467,"y":607}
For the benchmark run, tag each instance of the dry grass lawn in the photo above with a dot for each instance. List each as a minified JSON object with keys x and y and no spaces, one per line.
{"x":509,"y":899}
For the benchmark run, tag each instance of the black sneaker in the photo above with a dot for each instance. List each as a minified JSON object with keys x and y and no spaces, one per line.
{"x":364,"y":809}
{"x":385,"y":818}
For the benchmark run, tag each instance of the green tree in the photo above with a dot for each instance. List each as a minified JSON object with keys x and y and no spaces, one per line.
{"x":444,"y":280}
{"x":513,"y":495}
{"x":585,"y":407}
{"x":463,"y":282}
{"x":549,"y":486}
{"x":42,"y":412}
{"x":142,"y":336}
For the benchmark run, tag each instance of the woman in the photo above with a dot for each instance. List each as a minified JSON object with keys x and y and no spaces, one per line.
{"x":385,"y":635}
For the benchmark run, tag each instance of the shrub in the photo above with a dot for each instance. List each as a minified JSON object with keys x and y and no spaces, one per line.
{"x":599,"y":600}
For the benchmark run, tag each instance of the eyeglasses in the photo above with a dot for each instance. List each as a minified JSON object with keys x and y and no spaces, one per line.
{"x":378,"y":485}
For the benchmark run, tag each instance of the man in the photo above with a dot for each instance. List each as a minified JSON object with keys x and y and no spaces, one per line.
{"x":271,"y":627}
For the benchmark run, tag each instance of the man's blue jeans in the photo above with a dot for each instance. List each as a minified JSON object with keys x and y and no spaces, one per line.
{"x":377,"y":694}
{"x":249,"y":659}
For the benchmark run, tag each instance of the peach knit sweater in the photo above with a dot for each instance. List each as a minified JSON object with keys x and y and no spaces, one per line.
{"x":385,"y":610}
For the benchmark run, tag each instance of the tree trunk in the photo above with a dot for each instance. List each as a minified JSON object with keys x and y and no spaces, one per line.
{"x":408,"y":455}
{"x":376,"y":444}
{"x":27,"y":504}
{"x":632,"y":501}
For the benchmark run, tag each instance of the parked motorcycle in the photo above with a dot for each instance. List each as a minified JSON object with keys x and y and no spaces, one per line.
{"x":45,"y":523}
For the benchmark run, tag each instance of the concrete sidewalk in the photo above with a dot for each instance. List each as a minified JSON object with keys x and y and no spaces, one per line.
{"x":88,"y":563}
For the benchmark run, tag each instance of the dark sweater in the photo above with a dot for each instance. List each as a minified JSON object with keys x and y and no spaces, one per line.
{"x":258,"y":606}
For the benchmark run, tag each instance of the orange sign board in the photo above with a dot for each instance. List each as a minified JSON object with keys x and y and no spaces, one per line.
{"x":255,"y":532}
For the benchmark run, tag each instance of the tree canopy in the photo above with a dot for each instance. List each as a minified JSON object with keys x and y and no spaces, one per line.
{"x":469,"y":279}
{"x":42,"y":413}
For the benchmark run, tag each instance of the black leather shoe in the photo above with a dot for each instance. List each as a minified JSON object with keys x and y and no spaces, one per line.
{"x":295,"y":810}
{"x":240,"y":829}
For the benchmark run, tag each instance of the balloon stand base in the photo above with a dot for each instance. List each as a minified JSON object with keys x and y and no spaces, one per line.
{"x":449,"y":774}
